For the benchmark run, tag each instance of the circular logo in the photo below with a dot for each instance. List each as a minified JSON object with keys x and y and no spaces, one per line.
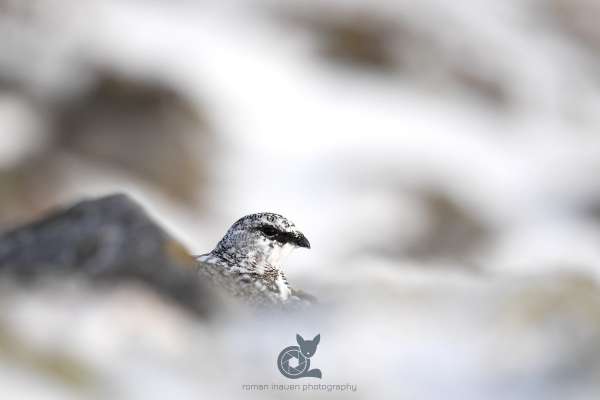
{"x":292,"y":363}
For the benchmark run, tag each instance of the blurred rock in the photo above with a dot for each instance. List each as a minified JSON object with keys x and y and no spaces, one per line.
{"x":544,"y":329}
{"x":144,"y":130}
{"x":567,"y":304}
{"x":111,"y":116}
{"x":65,"y":369}
{"x":26,"y":189}
{"x":143,"y":127}
{"x":452,"y":231}
{"x":445,"y":231}
{"x":403,"y":44}
{"x":361,"y":39}
{"x":73,"y":337}
{"x":108,"y":239}
{"x":579,"y":18}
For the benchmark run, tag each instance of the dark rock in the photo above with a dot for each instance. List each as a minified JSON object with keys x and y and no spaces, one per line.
{"x":108,"y":239}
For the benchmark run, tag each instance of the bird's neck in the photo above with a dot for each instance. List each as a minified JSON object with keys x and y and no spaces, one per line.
{"x":255,"y":259}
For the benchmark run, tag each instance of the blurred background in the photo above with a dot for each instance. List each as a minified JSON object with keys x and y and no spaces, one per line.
{"x":440,"y":156}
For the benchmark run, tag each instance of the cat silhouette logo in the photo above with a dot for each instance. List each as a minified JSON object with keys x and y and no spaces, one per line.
{"x":294,"y":361}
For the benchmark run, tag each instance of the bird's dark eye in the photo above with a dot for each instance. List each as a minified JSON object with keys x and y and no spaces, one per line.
{"x":268,"y":230}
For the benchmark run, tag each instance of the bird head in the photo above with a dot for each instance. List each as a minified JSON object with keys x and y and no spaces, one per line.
{"x":261,"y":238}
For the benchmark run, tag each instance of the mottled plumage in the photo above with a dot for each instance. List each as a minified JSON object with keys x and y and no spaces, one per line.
{"x":247,"y":262}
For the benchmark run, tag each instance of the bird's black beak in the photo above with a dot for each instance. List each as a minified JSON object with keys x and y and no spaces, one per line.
{"x":300,"y":240}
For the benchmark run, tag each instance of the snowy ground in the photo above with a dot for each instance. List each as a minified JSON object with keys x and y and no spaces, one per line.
{"x":350,"y":154}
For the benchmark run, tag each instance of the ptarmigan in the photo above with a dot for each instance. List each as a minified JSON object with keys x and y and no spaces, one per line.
{"x":247,"y":262}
